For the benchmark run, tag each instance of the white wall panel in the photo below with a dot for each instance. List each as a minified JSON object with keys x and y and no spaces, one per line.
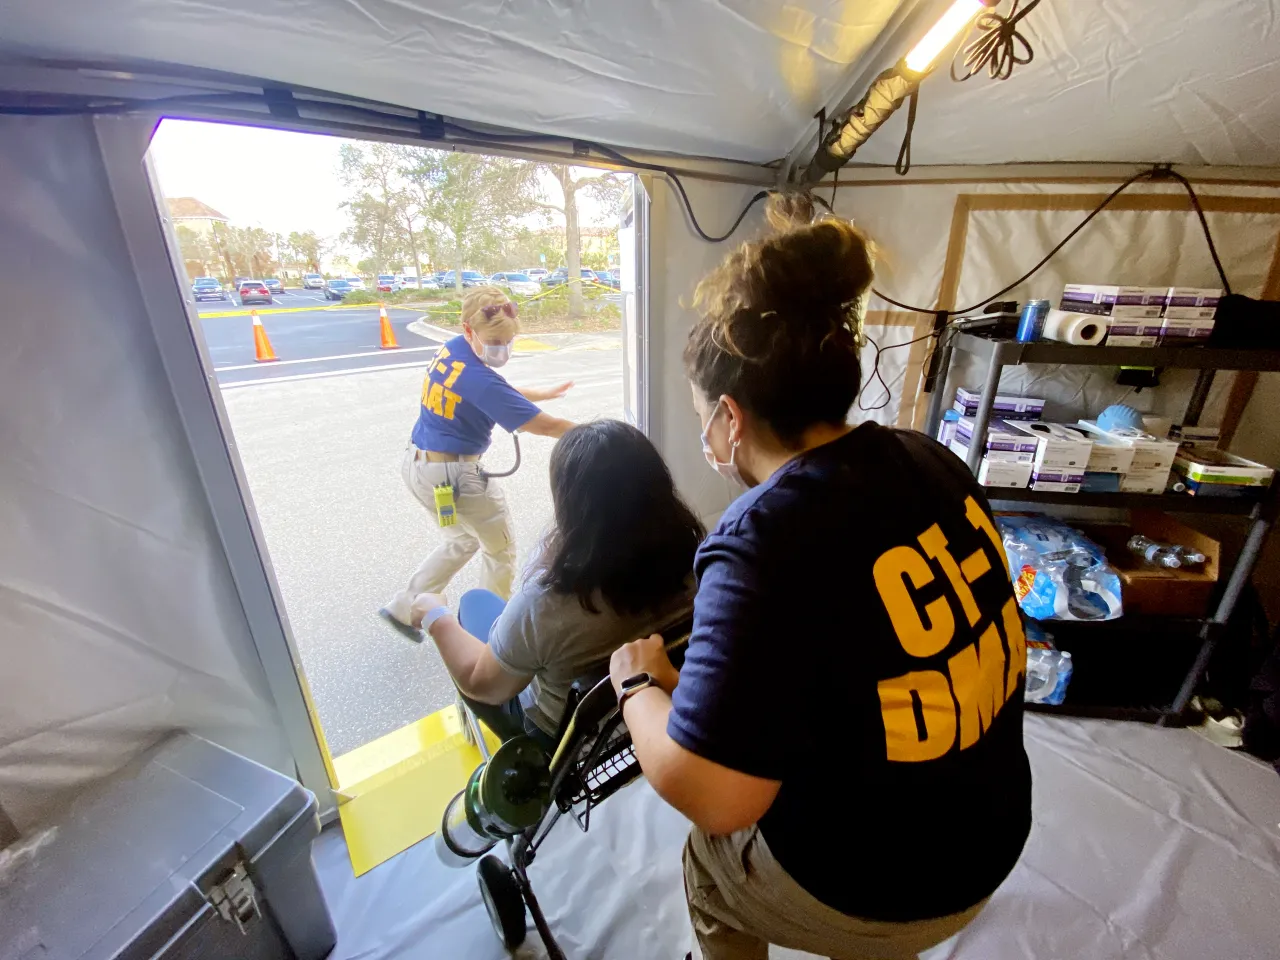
{"x":119,"y":620}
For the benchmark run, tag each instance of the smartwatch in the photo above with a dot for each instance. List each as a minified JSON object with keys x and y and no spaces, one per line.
{"x":633,"y":685}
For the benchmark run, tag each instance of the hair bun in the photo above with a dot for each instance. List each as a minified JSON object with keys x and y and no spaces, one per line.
{"x":789,"y":210}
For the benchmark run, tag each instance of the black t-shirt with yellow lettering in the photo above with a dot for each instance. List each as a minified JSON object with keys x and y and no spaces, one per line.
{"x":856,"y":637}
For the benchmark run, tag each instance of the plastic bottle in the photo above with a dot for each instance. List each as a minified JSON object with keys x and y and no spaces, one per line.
{"x":1154,"y":552}
{"x":1190,"y":556}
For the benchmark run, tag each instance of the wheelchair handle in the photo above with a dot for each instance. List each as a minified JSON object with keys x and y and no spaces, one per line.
{"x":515,"y":438}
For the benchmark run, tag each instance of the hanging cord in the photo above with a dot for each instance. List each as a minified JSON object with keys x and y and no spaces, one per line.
{"x":903,"y":166}
{"x":1204,"y":222}
{"x":999,"y":46}
{"x":1155,"y":174}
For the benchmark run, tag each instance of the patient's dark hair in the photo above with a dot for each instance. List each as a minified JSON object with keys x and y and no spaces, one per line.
{"x":620,"y":527}
{"x":778,"y":327}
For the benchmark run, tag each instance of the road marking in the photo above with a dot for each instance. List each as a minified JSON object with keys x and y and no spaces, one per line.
{"x":530,"y":345}
{"x":316,"y":376}
{"x":340,"y":356}
{"x":264,"y":311}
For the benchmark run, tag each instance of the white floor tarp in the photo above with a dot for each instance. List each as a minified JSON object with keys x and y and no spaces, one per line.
{"x":1148,"y":843}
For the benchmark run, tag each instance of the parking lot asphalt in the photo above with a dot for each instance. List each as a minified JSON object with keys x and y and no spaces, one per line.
{"x":323,"y":459}
{"x":306,"y":337}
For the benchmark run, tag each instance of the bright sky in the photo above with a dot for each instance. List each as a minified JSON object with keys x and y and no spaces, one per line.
{"x":275,"y":179}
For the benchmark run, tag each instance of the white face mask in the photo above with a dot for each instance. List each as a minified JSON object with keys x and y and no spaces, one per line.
{"x":728,"y":470}
{"x":495,"y":354}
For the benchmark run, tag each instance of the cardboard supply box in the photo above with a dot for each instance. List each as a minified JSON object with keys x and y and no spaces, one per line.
{"x":1184,"y":592}
{"x":1191,"y":436}
{"x":1109,"y":455}
{"x":1149,"y":453}
{"x":1063,"y":480}
{"x":1210,"y":472}
{"x":1145,"y":481}
{"x":1001,"y":437}
{"x":1183,"y":297}
{"x":1007,"y":408}
{"x":997,"y":473}
{"x":1123,"y":305}
{"x":961,"y":450}
{"x":1132,"y":332}
{"x":1058,"y":446}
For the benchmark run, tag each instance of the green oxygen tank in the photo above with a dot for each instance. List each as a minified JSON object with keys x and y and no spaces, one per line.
{"x":502,"y":798}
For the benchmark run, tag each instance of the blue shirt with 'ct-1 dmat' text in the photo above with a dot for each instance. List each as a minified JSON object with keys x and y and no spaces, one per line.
{"x":462,"y":399}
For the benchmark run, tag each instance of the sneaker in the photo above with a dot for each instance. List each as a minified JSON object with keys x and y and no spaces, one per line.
{"x":397,"y":614}
{"x":1221,"y":725}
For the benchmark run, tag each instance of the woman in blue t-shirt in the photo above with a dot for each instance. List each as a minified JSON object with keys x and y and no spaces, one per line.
{"x":846,"y":732}
{"x":463,"y":397}
{"x":616,"y":564}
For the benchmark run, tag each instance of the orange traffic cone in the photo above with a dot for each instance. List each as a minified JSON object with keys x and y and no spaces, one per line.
{"x":388,"y":335}
{"x":261,"y":345}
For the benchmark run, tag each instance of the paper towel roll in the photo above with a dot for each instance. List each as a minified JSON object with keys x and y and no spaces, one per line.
{"x":1081,"y":329}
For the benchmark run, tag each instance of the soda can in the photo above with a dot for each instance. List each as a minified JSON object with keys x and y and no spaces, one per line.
{"x":1031,"y":324}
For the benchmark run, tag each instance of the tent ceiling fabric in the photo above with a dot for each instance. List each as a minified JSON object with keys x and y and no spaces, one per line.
{"x":1186,"y":81}
{"x":738,"y":79}
{"x":1179,"y":81}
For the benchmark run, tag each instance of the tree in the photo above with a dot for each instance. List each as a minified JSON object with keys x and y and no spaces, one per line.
{"x":607,"y":190}
{"x":469,"y":202}
{"x":198,"y":253}
{"x":377,"y":211}
{"x":306,"y":250}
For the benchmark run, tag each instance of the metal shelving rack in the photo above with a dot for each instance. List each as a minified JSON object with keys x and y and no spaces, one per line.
{"x":1260,"y":512}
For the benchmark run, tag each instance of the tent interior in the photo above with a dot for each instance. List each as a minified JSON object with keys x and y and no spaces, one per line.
{"x":136,"y":595}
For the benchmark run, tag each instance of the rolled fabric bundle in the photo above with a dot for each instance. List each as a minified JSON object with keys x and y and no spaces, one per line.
{"x":1080,"y":329}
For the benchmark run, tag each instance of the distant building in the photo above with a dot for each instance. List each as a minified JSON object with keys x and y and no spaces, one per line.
{"x":194,"y":214}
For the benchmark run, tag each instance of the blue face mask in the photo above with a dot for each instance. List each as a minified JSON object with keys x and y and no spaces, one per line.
{"x":727,"y":470}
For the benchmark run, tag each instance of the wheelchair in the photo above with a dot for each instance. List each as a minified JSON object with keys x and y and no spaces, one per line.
{"x":593,"y":760}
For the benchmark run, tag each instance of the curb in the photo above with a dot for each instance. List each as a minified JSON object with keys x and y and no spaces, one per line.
{"x":431,"y":331}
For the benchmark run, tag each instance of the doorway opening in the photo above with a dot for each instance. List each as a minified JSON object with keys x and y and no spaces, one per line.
{"x":292,"y":245}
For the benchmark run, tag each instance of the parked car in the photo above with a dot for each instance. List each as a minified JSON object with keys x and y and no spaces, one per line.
{"x":429,"y":282}
{"x":357,"y":283}
{"x":387,"y":283}
{"x":312,"y":281}
{"x":557,"y":278}
{"x":336,"y":289}
{"x":254,"y":291}
{"x":611,"y":277}
{"x":516,"y":283}
{"x":408,"y":282}
{"x":536,"y":273}
{"x":274,"y":285}
{"x":207,"y":288}
{"x":470,"y":278}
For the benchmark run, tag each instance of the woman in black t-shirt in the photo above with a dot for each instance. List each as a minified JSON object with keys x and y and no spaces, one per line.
{"x":846,"y":733}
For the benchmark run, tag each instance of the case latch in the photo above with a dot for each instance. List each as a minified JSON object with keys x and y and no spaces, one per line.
{"x":235,"y":898}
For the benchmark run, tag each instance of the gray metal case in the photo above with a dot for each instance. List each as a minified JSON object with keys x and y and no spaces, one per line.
{"x":191,"y":852}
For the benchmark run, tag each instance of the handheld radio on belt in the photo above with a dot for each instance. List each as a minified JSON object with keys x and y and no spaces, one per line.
{"x":445,"y":493}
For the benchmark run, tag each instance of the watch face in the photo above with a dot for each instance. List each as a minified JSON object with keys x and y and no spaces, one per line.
{"x":639,"y":680}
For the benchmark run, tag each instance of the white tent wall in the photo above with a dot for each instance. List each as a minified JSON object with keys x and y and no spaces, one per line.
{"x":119,"y":619}
{"x":1009,"y":225}
{"x":678,"y":259}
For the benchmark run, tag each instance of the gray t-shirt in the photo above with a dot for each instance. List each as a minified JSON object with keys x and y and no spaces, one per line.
{"x":549,"y":636}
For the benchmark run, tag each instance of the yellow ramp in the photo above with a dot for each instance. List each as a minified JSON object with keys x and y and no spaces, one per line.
{"x":392,"y":792}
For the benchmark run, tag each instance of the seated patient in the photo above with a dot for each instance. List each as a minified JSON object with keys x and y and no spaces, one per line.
{"x":617,"y":562}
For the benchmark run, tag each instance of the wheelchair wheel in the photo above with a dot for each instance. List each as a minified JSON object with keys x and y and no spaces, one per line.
{"x":503,"y":901}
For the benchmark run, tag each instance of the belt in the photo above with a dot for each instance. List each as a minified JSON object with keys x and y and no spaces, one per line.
{"x":433,"y":456}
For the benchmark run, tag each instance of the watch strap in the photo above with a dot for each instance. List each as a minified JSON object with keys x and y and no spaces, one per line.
{"x":632,"y":686}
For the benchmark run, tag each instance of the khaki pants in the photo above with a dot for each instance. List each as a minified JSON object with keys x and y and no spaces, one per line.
{"x":741,"y":900}
{"x":483,"y":524}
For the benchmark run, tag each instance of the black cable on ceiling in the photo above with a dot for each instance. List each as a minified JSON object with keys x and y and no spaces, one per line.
{"x":999,"y":46}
